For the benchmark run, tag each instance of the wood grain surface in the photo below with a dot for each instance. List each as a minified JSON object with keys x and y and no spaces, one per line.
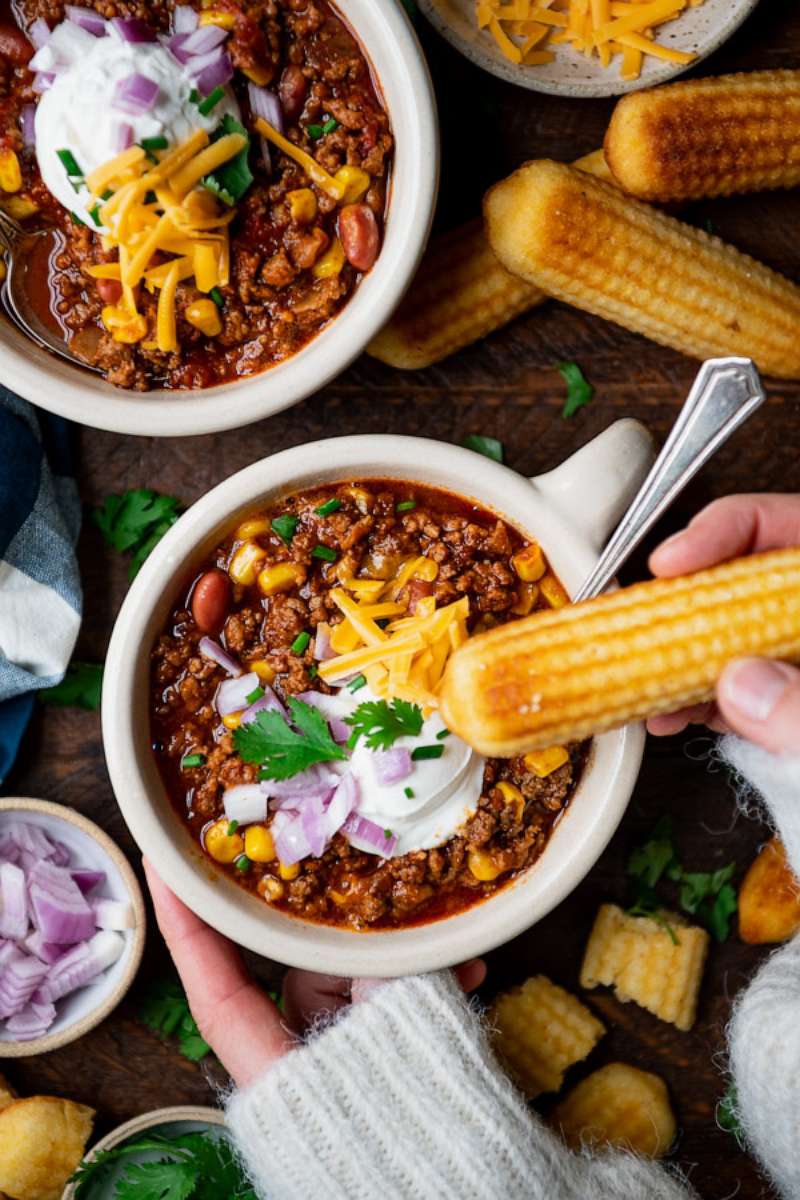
{"x":507,"y":387}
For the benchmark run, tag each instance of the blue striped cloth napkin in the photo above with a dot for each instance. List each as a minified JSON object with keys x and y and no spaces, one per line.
{"x":40,"y":591}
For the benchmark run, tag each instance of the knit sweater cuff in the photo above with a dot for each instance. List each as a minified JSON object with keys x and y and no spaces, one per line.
{"x":776,"y":779}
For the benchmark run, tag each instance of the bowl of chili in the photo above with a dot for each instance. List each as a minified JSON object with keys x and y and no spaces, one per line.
{"x":238,"y":662}
{"x":235,"y":193}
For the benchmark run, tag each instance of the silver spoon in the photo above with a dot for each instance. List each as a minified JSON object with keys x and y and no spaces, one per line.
{"x":725,"y":393}
{"x":18,"y":244}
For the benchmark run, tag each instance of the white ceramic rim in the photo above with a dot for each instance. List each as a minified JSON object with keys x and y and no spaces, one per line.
{"x":486,"y":55}
{"x":135,"y":943}
{"x":390,"y":44}
{"x":166,"y":841}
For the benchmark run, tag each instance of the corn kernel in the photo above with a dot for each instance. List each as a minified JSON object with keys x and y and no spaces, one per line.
{"x":481,"y":865}
{"x":338,"y":898}
{"x":245,"y":563}
{"x":253,"y":528}
{"x":259,"y":75}
{"x":232,"y":721}
{"x":10,"y":173}
{"x":216,"y":16}
{"x":264,"y":670}
{"x":222,"y":846}
{"x":259,"y":844}
{"x":528,"y":595}
{"x":19,"y":207}
{"x":428,"y":570}
{"x":360,"y":497}
{"x":543,"y":762}
{"x":512,"y":796}
{"x":124,"y":326}
{"x":204,"y":315}
{"x":302,"y":205}
{"x":270,"y":888}
{"x":356,"y":183}
{"x":529,"y":563}
{"x":331,"y":262}
{"x":280,"y":577}
{"x":289,"y":872}
{"x":553,"y":592}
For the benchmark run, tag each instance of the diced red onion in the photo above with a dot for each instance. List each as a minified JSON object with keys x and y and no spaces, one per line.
{"x":367,"y":836}
{"x":131,"y":29}
{"x":87,"y":880}
{"x":39,"y":32}
{"x":87,"y":18}
{"x":328,"y":706}
{"x":46,"y":59}
{"x":204,"y":39}
{"x":266,"y":702}
{"x":135,"y":94}
{"x":266,"y":104}
{"x":291,"y":842}
{"x":245,"y":803}
{"x":21,"y":977}
{"x":13,"y":902}
{"x":27,"y":121}
{"x":313,"y":779}
{"x":175,"y":46}
{"x":30,"y":839}
{"x":9,"y":850}
{"x":80,"y":966}
{"x":123,"y":136}
{"x":197,"y":63}
{"x":342,"y":803}
{"x":184,"y":18}
{"x":232,"y":694}
{"x":211,"y":649}
{"x":42,"y":81}
{"x":59,"y":909}
{"x":312,"y":816}
{"x":61,"y":855}
{"x":48,"y":952}
{"x":7,"y":951}
{"x":392,"y":766}
{"x":322,"y":643}
{"x":112,"y":914}
{"x":217,"y":74}
{"x":31,"y":1022}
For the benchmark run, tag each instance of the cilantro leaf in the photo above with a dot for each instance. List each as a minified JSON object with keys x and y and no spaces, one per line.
{"x":649,"y":861}
{"x":281,"y":751}
{"x":716,"y":914}
{"x":728,"y":1115}
{"x":382,"y":722}
{"x":134,"y":522}
{"x":579,"y":390}
{"x":80,"y":687}
{"x":231,"y":180}
{"x":158,"y":1181}
{"x":166,"y":1011}
{"x":218,"y":1169}
{"x":489,"y":447}
{"x":698,"y":886}
{"x":200,"y":1165}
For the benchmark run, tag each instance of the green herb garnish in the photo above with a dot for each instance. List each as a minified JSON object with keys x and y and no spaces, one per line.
{"x":300,"y":643}
{"x":80,"y":687}
{"x":324,"y":552}
{"x":231,"y":180}
{"x":242,"y":864}
{"x":314,"y":131}
{"x":728,"y":1115}
{"x":313,"y":671}
{"x":330,"y":506}
{"x":232,"y":827}
{"x":330,"y":125}
{"x":211,"y":101}
{"x":76,"y":219}
{"x":489,"y":447}
{"x":256,"y":694}
{"x":69,"y":164}
{"x":443,"y":733}
{"x":134,"y":522}
{"x":422,"y":752}
{"x":194,"y":96}
{"x":192,"y":760}
{"x":150,"y":198}
{"x":382,"y":722}
{"x":409,"y":792}
{"x":159,"y":142}
{"x":166,"y":1011}
{"x":216,"y":296}
{"x":406,"y":506}
{"x":356,"y":684}
{"x":94,"y":213}
{"x":285,"y":527}
{"x":282,"y":751}
{"x":579,"y":390}
{"x":107,"y":194}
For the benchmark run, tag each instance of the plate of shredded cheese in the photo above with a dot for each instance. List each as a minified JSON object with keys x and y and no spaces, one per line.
{"x":586,"y":47}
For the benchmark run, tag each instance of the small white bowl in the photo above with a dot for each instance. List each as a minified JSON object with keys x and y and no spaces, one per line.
{"x":571,"y":511}
{"x":391,"y":46}
{"x":700,"y":30}
{"x":91,"y":848}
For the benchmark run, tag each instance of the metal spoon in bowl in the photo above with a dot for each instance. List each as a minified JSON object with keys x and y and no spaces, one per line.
{"x":725,"y":393}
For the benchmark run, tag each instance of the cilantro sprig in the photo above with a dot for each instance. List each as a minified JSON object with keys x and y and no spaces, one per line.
{"x":489,"y":447}
{"x":80,"y":687}
{"x":166,"y":1011}
{"x":579,"y":390}
{"x":134,"y":522}
{"x":382,"y":722}
{"x":281,"y":751}
{"x":194,"y":1166}
{"x":728,"y":1115}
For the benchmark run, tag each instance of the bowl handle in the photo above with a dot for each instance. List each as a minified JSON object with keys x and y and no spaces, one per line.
{"x":593,"y":488}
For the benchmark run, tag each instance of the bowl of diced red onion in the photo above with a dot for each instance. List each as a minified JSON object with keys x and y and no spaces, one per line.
{"x":72,"y":926}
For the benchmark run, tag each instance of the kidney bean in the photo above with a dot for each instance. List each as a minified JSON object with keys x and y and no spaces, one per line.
{"x":110,"y":290}
{"x":14,"y":44}
{"x":293,"y":89}
{"x":210,"y":600}
{"x":418,"y":589}
{"x":360,"y":235}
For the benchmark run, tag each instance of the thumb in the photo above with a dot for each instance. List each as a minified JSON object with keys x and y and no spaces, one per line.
{"x":760,"y":700}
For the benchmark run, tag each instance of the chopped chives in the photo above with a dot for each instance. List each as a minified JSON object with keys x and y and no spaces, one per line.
{"x":256,"y":694}
{"x":154,"y":143}
{"x":356,"y":684}
{"x":409,"y":792}
{"x":442,"y":734}
{"x":313,"y":671}
{"x":330,"y":506}
{"x":314,"y":131}
{"x":285,"y":527}
{"x":387,"y":833}
{"x":77,"y":219}
{"x":330,"y":125}
{"x":242,"y":864}
{"x":69,"y":163}
{"x":194,"y":96}
{"x":324,"y":552}
{"x":232,"y":827}
{"x":150,"y":197}
{"x":192,"y":760}
{"x":94,"y":213}
{"x":300,"y":643}
{"x":216,"y":296}
{"x":406,"y":506}
{"x":211,"y":101}
{"x":421,"y":752}
{"x":107,"y":194}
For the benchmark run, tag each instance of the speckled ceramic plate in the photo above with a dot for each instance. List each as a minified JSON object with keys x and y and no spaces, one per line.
{"x":701,"y":30}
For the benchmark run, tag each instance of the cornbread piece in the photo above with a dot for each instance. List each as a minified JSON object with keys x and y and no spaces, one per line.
{"x":618,"y":1106}
{"x":769,"y":898}
{"x":657,"y":963}
{"x":460,"y":293}
{"x":558,"y":677}
{"x":541,"y":1031}
{"x":708,"y":137}
{"x":42,"y":1140}
{"x":583,"y":241}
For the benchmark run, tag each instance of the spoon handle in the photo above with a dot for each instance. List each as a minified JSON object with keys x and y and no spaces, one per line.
{"x":724,"y":394}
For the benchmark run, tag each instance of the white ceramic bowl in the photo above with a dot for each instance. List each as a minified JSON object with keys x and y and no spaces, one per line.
{"x":700,"y":30}
{"x":90,"y":847}
{"x":570,"y":511}
{"x":391,"y":46}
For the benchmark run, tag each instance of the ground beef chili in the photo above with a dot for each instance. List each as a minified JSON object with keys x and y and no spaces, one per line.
{"x":274,"y":304}
{"x":370,"y":538}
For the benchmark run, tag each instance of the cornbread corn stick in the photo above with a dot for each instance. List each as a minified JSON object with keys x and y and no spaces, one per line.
{"x":540,"y":1031}
{"x":618,"y":1106}
{"x":708,"y":137}
{"x":583,"y":241}
{"x":559,"y":676}
{"x":460,"y":293}
{"x":7,"y":1095}
{"x":769,"y":898}
{"x":656,"y":963}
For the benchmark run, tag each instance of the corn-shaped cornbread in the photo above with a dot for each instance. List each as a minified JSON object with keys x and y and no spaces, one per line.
{"x":583,"y":241}
{"x":618,"y":1106}
{"x":657,"y":963}
{"x":540,"y":1030}
{"x":460,"y":293}
{"x":708,"y":137}
{"x":769,"y":899}
{"x":559,"y":676}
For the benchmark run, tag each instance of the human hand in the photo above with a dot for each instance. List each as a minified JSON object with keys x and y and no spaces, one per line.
{"x":756,"y":698}
{"x":242,"y":1026}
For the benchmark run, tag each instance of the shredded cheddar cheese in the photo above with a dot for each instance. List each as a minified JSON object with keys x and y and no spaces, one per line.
{"x":528,"y":32}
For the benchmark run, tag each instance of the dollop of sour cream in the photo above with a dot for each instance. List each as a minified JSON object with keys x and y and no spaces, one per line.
{"x":77,"y":113}
{"x":446,"y":790}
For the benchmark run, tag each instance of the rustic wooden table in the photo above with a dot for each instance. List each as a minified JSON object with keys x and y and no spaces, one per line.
{"x":506,"y":387}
